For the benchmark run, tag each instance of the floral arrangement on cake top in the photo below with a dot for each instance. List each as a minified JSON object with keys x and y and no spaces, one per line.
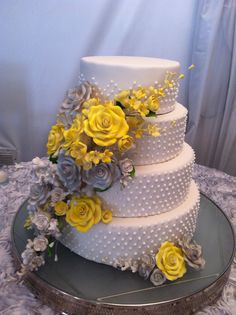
{"x":87,"y":153}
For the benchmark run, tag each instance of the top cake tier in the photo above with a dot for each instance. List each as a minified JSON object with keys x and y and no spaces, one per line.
{"x":112,"y":74}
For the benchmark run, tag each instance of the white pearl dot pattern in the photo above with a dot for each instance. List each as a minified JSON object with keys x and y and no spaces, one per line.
{"x":151,"y":150}
{"x":132,"y":237}
{"x":170,"y":183}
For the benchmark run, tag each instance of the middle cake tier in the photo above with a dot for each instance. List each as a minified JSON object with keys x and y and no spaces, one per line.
{"x":155,"y":189}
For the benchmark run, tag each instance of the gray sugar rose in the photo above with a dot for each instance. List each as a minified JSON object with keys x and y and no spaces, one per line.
{"x":192,"y":253}
{"x":126,"y":166}
{"x":157,"y":277}
{"x":68,"y":172}
{"x":102,"y":175}
{"x":39,"y":193}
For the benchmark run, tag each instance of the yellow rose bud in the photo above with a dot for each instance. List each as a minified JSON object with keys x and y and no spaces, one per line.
{"x":153,"y":103}
{"x":84,"y":212}
{"x":60,"y":208}
{"x":105,"y":124}
{"x":106,"y":216}
{"x":170,"y":260}
{"x":125,"y":143}
{"x":55,"y":138}
{"x":78,"y":150}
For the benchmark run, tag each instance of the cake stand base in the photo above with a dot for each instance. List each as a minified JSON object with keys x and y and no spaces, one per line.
{"x":74,"y":285}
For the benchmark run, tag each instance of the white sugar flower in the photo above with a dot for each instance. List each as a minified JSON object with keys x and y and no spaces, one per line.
{"x":40,"y":243}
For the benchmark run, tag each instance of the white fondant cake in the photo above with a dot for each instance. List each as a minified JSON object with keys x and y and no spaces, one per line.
{"x":111,"y":74}
{"x":161,"y":202}
{"x":155,"y":189}
{"x":134,"y":237}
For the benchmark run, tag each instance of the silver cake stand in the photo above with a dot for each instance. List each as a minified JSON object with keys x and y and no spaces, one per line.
{"x":74,"y":285}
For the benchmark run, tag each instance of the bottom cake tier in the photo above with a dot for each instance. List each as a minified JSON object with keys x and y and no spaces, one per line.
{"x":131,"y":238}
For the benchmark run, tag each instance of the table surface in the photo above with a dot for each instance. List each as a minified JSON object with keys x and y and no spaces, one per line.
{"x":15,"y":298}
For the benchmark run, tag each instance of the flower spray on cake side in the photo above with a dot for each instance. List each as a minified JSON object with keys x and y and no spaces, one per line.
{"x":87,"y":153}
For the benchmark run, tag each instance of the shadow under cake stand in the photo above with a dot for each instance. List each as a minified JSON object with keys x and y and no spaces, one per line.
{"x":74,"y":285}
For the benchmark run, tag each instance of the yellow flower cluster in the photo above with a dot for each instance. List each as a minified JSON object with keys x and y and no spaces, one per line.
{"x":170,"y":260}
{"x":82,"y":213}
{"x":142,"y":100}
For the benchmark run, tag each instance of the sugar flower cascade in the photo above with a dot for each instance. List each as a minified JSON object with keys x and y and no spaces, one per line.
{"x":87,"y":150}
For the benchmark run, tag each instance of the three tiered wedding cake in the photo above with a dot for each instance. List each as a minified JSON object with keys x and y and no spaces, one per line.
{"x":161,"y":202}
{"x":117,"y":188}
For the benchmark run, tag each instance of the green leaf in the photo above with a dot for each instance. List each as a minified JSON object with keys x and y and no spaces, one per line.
{"x":60,"y":223}
{"x":132,"y":173}
{"x":119,"y":104}
{"x":151,"y":114}
{"x":53,"y":159}
{"x":49,"y":251}
{"x":101,"y":190}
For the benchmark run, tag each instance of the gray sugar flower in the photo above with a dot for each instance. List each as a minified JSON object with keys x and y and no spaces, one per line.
{"x":36,"y":262}
{"x":192,"y":252}
{"x":57,"y":194}
{"x":69,"y":173}
{"x":144,"y":271}
{"x":148,"y":260}
{"x":75,"y":98}
{"x":41,"y":220}
{"x":157,"y":277}
{"x":102,"y":175}
{"x":40,"y":243}
{"x":39,"y":193}
{"x":27,"y":255}
{"x":53,"y":228}
{"x":126,"y":166}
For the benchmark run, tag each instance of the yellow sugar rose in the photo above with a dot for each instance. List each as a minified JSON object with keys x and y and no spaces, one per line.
{"x":84,"y":212}
{"x":106,"y":216}
{"x":55,"y":138}
{"x":170,"y":261}
{"x":78,"y":124}
{"x":125,"y":143}
{"x":61,"y":208}
{"x":105,"y":124}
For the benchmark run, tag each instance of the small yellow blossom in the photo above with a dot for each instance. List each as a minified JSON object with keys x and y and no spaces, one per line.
{"x":27,"y":223}
{"x":106,"y":156}
{"x":134,"y":121}
{"x":55,"y":138}
{"x":170,"y":260}
{"x":173,"y":123}
{"x":60,"y":208}
{"x":84,"y":212}
{"x":181,"y":76}
{"x":143,"y":110}
{"x":138,"y":133}
{"x":169,"y":83}
{"x":139,"y":93}
{"x":70,"y":136}
{"x":123,"y":98}
{"x":125,"y":143}
{"x":93,"y":156}
{"x":78,"y":124}
{"x":91,"y":102}
{"x":106,"y":216}
{"x":78,"y":150}
{"x":192,"y":66}
{"x":153,"y":130}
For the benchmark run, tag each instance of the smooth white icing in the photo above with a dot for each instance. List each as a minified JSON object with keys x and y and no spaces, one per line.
{"x":154,"y":189}
{"x":112,"y":74}
{"x":151,"y":150}
{"x":134,"y":237}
